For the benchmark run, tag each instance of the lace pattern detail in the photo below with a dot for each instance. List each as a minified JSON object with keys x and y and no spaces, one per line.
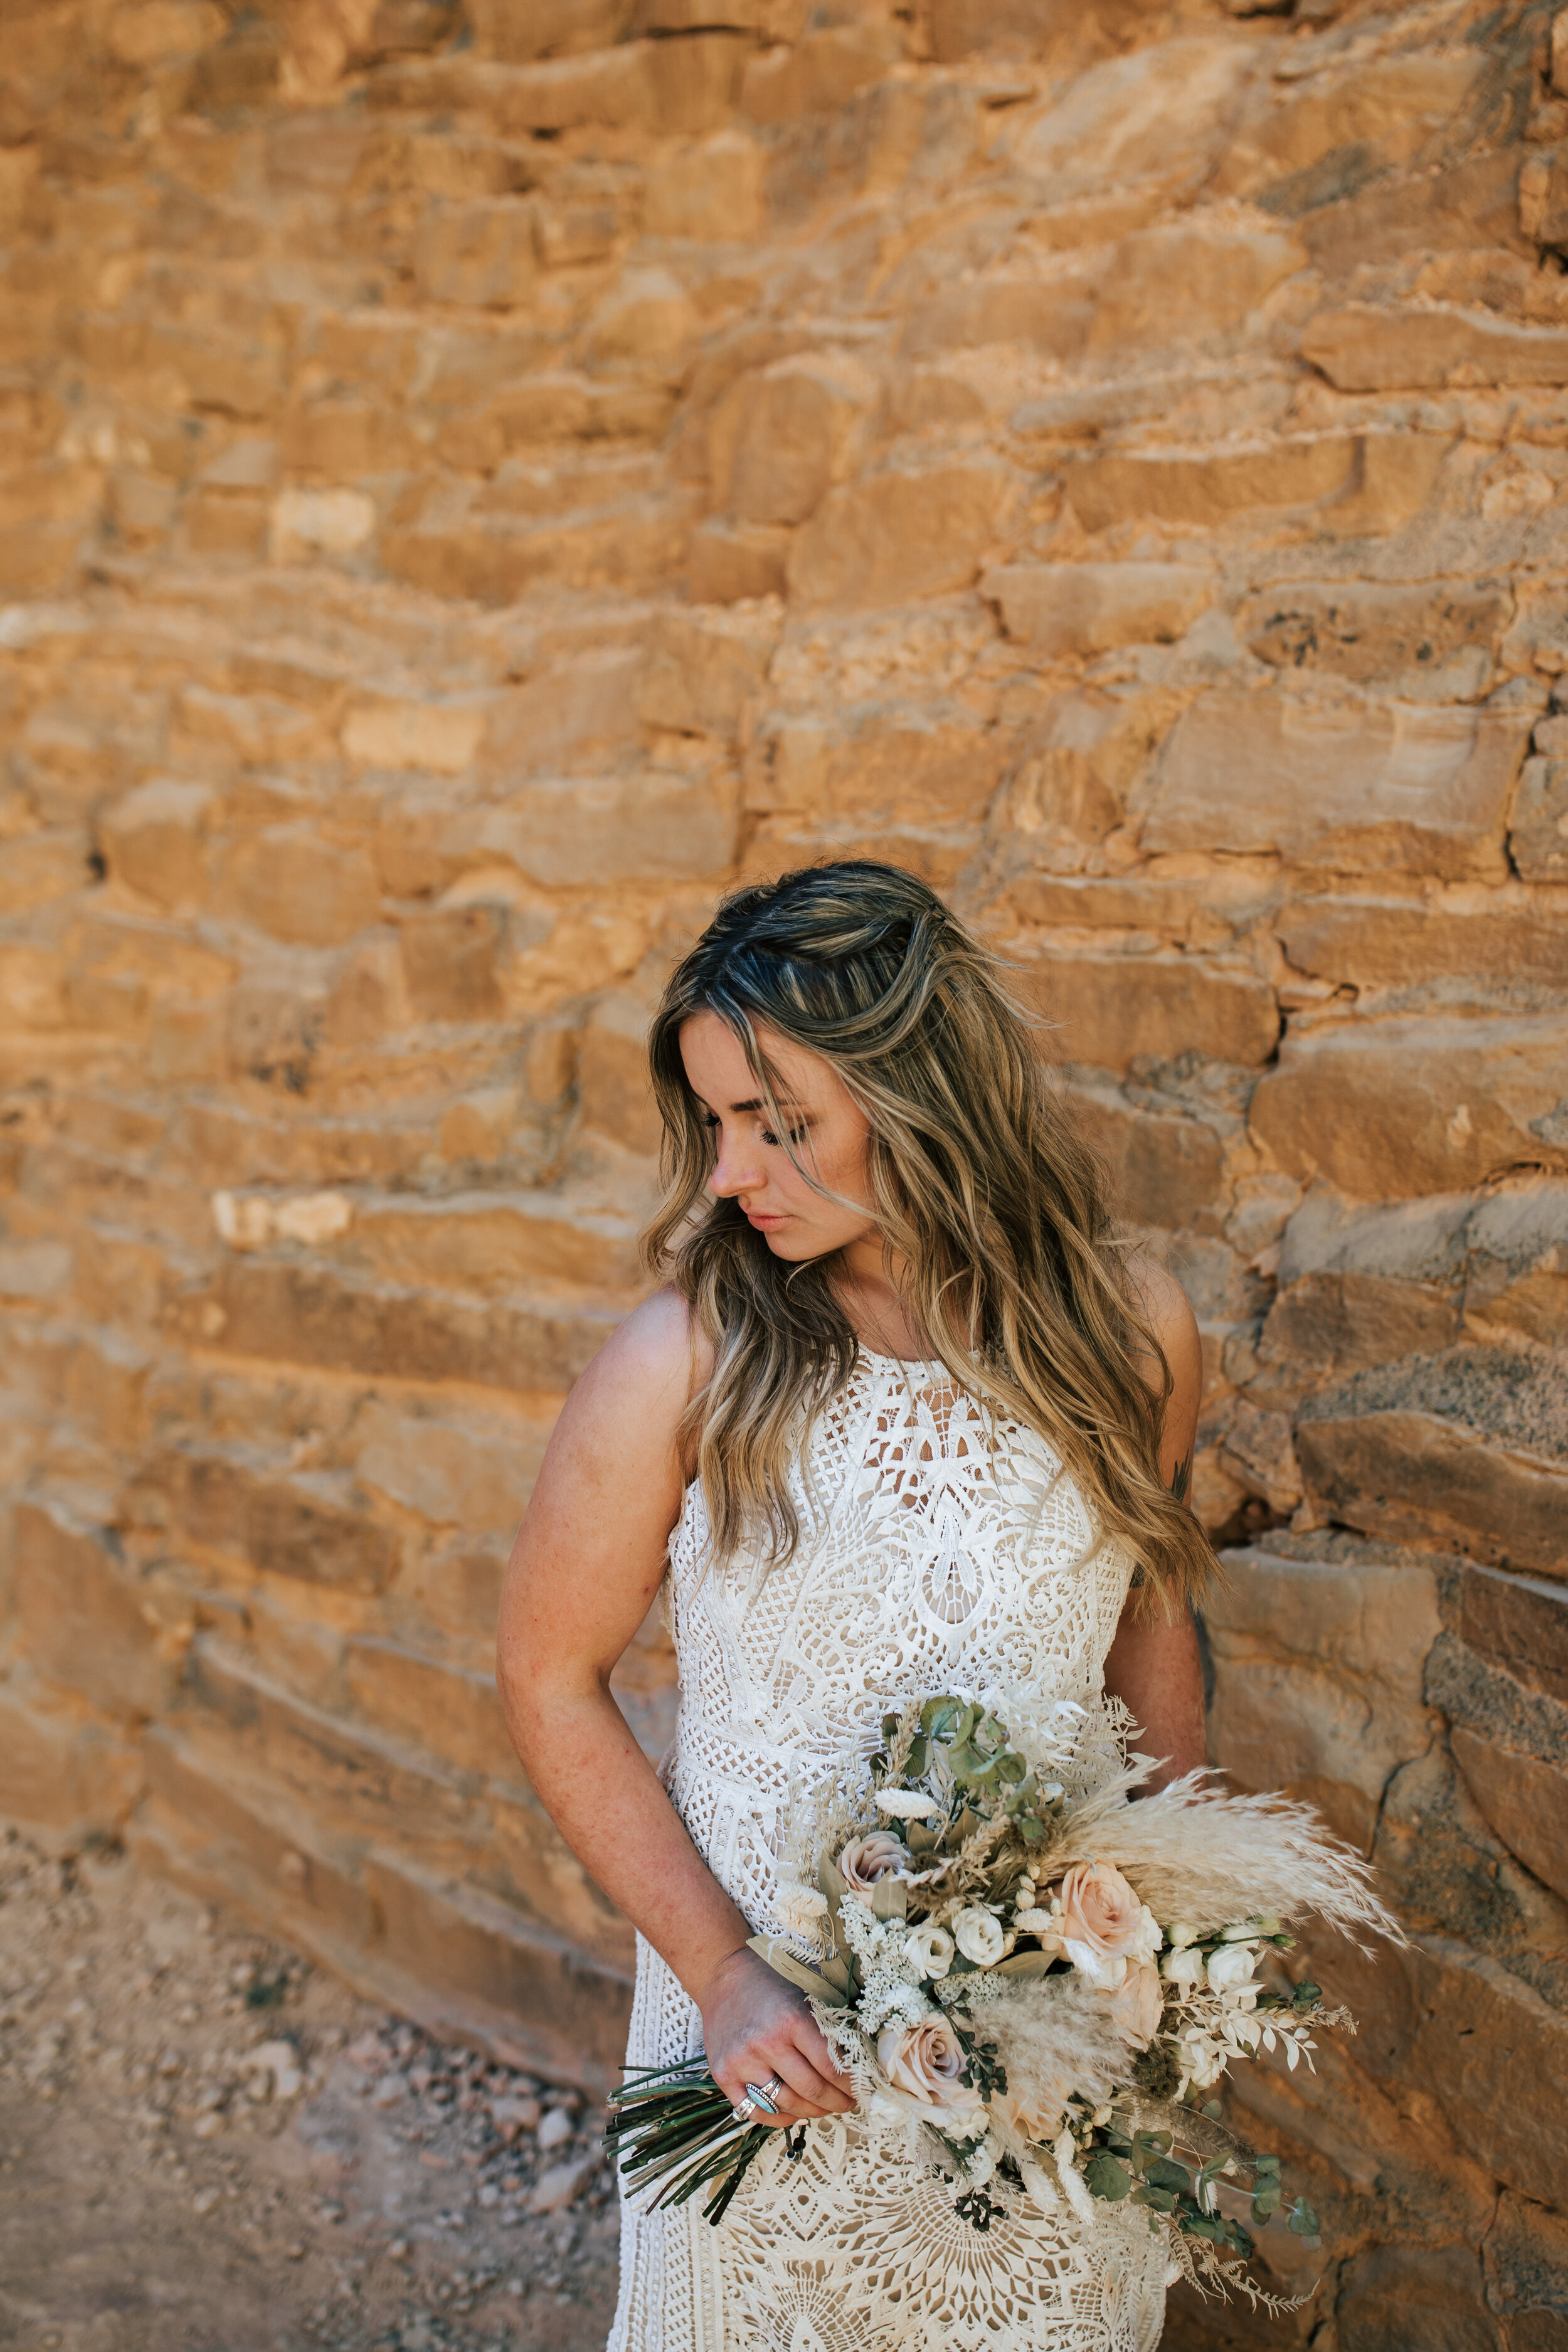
{"x":940,"y":1547}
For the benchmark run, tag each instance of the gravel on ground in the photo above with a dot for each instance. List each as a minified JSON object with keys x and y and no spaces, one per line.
{"x":207,"y":2145}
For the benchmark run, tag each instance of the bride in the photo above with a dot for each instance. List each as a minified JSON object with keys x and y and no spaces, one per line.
{"x":905,"y":1418}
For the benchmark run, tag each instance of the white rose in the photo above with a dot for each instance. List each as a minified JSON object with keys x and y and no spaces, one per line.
{"x":1183,"y":1968}
{"x":1246,"y":1933}
{"x":930,"y":1949}
{"x":1107,"y":1971}
{"x":1230,"y":1968}
{"x":979,"y":1936}
{"x":1148,"y":1938}
{"x":1180,"y":1936}
{"x":906,"y":1804}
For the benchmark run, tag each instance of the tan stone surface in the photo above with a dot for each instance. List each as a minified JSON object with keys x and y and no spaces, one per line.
{"x":477,"y":481}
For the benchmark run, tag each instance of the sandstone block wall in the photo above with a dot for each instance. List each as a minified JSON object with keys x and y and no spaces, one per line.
{"x":477,"y":479}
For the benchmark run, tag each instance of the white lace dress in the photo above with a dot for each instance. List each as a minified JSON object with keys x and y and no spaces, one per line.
{"x":938,"y":1549}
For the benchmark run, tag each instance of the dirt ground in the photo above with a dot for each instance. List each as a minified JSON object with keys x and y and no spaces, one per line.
{"x":206,"y":2145}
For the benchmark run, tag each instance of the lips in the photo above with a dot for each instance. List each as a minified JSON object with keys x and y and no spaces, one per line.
{"x":762,"y":1220}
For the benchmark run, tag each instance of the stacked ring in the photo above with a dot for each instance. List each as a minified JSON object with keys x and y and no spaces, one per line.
{"x":758,"y":2095}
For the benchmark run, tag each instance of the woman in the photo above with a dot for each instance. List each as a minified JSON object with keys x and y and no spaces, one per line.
{"x":902,"y":1420}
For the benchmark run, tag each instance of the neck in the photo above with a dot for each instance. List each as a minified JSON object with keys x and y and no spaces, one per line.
{"x":872,"y":1291}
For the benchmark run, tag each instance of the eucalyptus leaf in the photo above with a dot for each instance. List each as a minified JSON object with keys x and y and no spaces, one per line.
{"x":1107,"y":2179}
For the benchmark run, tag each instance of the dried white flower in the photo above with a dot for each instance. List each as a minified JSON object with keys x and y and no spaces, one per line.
{"x":906,"y":1804}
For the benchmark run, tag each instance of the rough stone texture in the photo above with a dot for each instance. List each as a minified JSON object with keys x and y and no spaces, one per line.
{"x":474,"y":481}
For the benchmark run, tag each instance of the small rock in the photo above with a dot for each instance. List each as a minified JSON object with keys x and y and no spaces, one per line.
{"x":280,"y":2060}
{"x":511,"y":2118}
{"x":398,"y":2251}
{"x":390,"y":2091}
{"x":295,"y":2252}
{"x":555,"y":2130}
{"x":206,"y":2198}
{"x":555,"y":2190}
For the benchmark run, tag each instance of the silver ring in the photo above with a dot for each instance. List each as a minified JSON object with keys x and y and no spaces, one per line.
{"x":764,"y":2094}
{"x":743,"y":2112}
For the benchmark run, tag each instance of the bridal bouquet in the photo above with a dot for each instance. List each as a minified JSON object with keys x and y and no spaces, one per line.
{"x":1036,"y":1977}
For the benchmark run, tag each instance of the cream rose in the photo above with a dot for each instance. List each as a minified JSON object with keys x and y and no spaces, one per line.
{"x":1183,"y":1968}
{"x":1137,"y":2004}
{"x":930,"y":1949}
{"x":925,"y":2062}
{"x":1102,"y":1919}
{"x":979,"y":1937}
{"x":1230,"y":1969}
{"x":866,"y":1859}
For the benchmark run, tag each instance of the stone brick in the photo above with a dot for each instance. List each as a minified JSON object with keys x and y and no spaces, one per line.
{"x":446,"y":1708}
{"x":1435,"y":2296}
{"x":1370,"y":630}
{"x":1320,"y":1678}
{"x":1050,"y":318}
{"x":705,"y":670}
{"x":1538,"y":828}
{"x":1367,"y":349}
{"x":1165,"y":1171}
{"x":1075,"y":768}
{"x":292,"y":1313}
{"x":713,"y":191}
{"x":1418,"y":1476}
{"x":1385,"y":1108}
{"x":1399,"y":942}
{"x":823,"y":70}
{"x":1424,"y":790}
{"x":1327,"y":1326}
{"x":155,"y":840}
{"x":1198,"y":490}
{"x":613,"y":1083}
{"x":474,"y":1475}
{"x":1086,"y":608}
{"x":403,"y":731}
{"x":64,"y":1773}
{"x":1524,"y":1799}
{"x":1519,"y":1622}
{"x":291,"y":882}
{"x":86,"y":1619}
{"x":485,"y":1245}
{"x":659,"y":824}
{"x":480,"y":254}
{"x":901,"y":535}
{"x":1163,"y":110}
{"x":1224,"y":275}
{"x":274,"y":1525}
{"x":780,"y":440}
{"x":451,"y":959}
{"x":1109,"y":1010}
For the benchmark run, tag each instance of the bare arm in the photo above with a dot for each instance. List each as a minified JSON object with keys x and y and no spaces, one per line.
{"x":1153,"y":1664}
{"x":587,"y":1562}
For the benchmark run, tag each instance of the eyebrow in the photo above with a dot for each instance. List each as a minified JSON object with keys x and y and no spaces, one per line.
{"x":753,"y":1102}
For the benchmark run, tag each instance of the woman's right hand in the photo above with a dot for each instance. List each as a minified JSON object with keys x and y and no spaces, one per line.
{"x":756,"y":2029}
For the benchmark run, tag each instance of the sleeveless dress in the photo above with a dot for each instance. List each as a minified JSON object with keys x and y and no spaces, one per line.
{"x":939,"y":1548}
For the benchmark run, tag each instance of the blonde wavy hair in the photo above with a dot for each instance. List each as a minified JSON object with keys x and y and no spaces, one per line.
{"x":980,"y":1183}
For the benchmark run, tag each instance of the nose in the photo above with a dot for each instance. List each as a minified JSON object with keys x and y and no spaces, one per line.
{"x":737,"y":1168}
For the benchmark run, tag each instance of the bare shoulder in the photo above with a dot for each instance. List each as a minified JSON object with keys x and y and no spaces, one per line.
{"x":1171,"y":1318}
{"x":657,"y":1356}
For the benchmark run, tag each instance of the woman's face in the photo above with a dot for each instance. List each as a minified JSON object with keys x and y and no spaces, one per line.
{"x":830,"y":1137}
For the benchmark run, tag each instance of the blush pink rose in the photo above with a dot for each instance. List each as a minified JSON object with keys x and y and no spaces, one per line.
{"x":1099,"y":1909}
{"x":1136,"y":2004}
{"x":866,"y":1859}
{"x":925,"y":2062}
